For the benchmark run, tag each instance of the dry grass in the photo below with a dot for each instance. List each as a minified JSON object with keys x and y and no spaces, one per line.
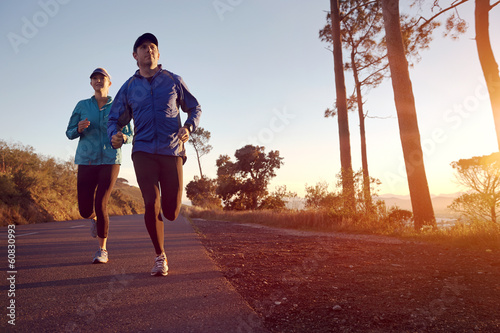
{"x":473,"y":235}
{"x":300,"y":220}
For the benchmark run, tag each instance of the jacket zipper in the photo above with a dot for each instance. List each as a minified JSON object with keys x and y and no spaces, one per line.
{"x":155,"y":145}
{"x":101,"y":118}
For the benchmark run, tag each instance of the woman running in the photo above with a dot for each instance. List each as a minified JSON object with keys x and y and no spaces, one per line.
{"x":98,"y":163}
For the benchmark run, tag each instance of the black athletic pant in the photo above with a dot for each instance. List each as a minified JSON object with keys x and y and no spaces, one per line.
{"x":94,"y":185}
{"x":154,"y":173}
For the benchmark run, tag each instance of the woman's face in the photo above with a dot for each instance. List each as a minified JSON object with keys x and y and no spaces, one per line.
{"x":100,"y":82}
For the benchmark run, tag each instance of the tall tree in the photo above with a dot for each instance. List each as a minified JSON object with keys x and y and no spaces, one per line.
{"x":360,"y":31}
{"x":341,"y":104}
{"x":199,"y":140}
{"x":487,"y":59}
{"x":243,"y":184}
{"x":407,"y":117}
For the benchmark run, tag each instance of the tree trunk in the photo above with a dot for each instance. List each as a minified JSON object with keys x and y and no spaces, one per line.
{"x":407,"y":118}
{"x":345,"y":145}
{"x":364,"y":158}
{"x":199,"y":162}
{"x":487,"y":60}
{"x":493,"y":215}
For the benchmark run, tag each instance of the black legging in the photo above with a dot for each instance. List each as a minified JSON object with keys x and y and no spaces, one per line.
{"x":155,"y":172}
{"x":94,"y":185}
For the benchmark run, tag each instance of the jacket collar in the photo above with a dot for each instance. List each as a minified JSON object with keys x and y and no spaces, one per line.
{"x":137,"y":73}
{"x":110,"y":100}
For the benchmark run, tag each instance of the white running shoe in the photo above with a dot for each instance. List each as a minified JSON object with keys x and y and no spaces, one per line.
{"x":101,"y":257}
{"x":160,"y":268}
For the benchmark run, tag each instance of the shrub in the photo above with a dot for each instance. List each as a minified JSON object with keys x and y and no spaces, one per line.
{"x":35,"y":188}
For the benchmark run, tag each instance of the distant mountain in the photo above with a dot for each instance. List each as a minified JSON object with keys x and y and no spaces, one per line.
{"x":389,"y":195}
{"x":440,"y":202}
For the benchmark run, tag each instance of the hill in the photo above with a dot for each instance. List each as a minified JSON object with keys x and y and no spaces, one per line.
{"x":125,"y":199}
{"x":440,"y":203}
{"x":35,"y":188}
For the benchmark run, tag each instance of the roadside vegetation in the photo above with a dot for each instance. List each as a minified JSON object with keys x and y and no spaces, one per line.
{"x":240,"y":194}
{"x":35,"y":188}
{"x":392,"y":222}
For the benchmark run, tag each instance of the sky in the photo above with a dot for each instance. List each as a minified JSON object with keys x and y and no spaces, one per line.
{"x":261,"y":75}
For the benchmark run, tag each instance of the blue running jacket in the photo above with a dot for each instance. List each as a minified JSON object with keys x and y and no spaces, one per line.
{"x":153,"y":104}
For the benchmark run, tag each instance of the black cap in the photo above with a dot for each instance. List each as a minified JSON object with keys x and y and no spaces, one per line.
{"x":145,"y":37}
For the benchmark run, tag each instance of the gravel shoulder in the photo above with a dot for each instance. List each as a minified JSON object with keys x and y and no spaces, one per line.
{"x":301,"y":281}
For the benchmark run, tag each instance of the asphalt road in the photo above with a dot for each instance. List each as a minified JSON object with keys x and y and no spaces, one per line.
{"x":57,"y":289}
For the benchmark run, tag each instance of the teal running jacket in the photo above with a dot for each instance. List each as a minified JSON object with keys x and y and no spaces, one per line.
{"x":94,"y":147}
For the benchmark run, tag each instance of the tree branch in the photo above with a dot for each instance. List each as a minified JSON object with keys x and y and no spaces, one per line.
{"x":378,"y":117}
{"x":427,"y":21}
{"x":353,"y":9}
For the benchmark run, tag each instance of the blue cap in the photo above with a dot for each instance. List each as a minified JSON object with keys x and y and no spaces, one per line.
{"x":102,"y":71}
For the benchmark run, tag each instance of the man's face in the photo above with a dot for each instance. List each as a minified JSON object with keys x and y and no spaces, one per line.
{"x":147,"y":55}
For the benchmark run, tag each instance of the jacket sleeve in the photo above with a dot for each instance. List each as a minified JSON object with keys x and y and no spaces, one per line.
{"x":129,"y":132}
{"x":72,"y":129}
{"x":189,"y":104}
{"x":120,"y":113}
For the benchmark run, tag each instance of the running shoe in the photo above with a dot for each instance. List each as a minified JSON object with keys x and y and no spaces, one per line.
{"x":101,"y":257}
{"x":93,"y":228}
{"x":160,"y":268}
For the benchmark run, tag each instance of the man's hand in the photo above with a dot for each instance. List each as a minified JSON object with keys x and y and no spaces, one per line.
{"x":183,"y":134}
{"x":83,"y":124}
{"x":118,"y":139}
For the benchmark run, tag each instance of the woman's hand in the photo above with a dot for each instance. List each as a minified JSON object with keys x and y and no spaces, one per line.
{"x":83,"y":124}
